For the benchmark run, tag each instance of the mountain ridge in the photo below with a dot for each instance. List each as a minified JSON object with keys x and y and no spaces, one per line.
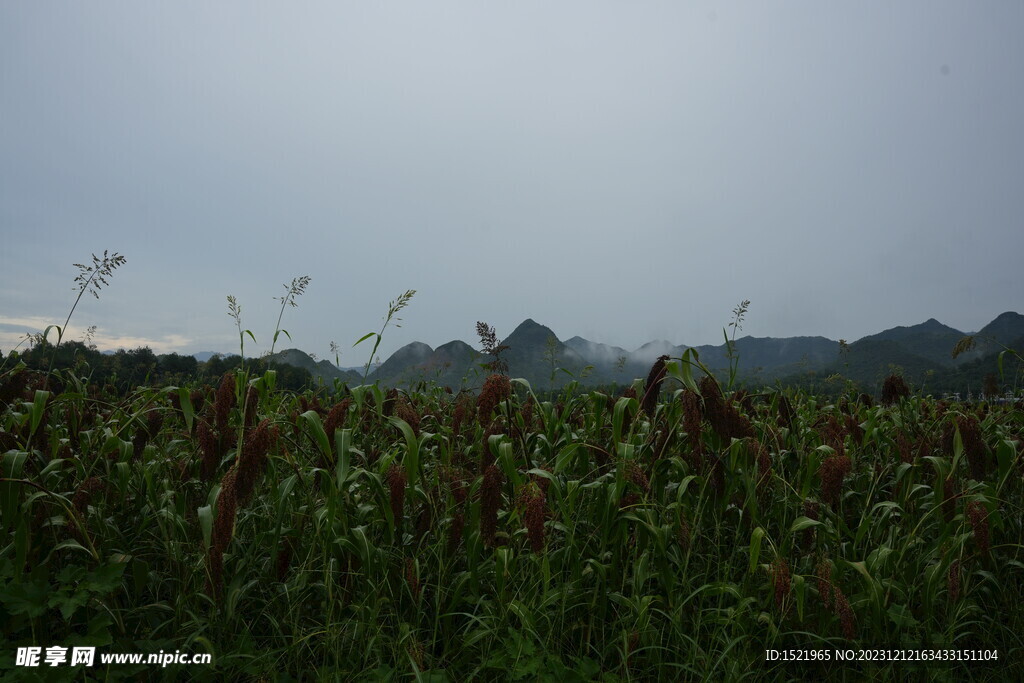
{"x":535,"y":353}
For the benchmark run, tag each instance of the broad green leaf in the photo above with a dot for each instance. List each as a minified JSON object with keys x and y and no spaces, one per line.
{"x":364,"y":338}
{"x":412,"y":450}
{"x":316,"y":428}
{"x":205,"y":515}
{"x":185,"y":399}
{"x":755,"y":547}
{"x":802,"y":523}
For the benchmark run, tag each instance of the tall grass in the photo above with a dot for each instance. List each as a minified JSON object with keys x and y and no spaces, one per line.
{"x":425,"y":535}
{"x":590,"y":537}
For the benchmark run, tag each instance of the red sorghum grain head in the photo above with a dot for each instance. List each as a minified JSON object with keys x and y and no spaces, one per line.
{"x":405,"y":410}
{"x":826,"y":590}
{"x":84,"y":493}
{"x":811,"y":510}
{"x":716,"y":474}
{"x":722,"y":415}
{"x":490,"y":500}
{"x":977,"y":515}
{"x":636,"y":476}
{"x":683,"y":534}
{"x":533,"y":517}
{"x":527,"y":412}
{"x":654,"y":379}
{"x":198,"y":397}
{"x":946,"y":440}
{"x":396,"y":481}
{"x":224,"y":402}
{"x":253,"y":459}
{"x":388,"y":408}
{"x":953,"y":580}
{"x":764,"y":464}
{"x":13,"y":387}
{"x":893,"y":389}
{"x":424,"y":520}
{"x":847,"y":619}
{"x":223,"y":528}
{"x":154,"y":422}
{"x":336,"y":418}
{"x":496,"y":389}
{"x":412,"y":578}
{"x":463,"y":411}
{"x":693,"y":414}
{"x":949,"y":496}
{"x":455,"y":532}
{"x":486,"y":456}
{"x":854,"y":429}
{"x":833,"y":435}
{"x":284,"y":558}
{"x":833,"y":469}
{"x":252,"y":400}
{"x":974,"y":446}
{"x":786,"y":413}
{"x":139,"y":443}
{"x":209,"y":448}
{"x":904,"y":448}
{"x":781,"y":581}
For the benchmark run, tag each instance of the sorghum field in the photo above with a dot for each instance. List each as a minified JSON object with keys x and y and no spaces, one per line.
{"x":674,"y":532}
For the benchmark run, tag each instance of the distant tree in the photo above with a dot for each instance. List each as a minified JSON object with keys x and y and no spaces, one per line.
{"x":178,"y":366}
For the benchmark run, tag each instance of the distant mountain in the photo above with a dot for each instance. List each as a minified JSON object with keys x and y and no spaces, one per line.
{"x":594,"y":352}
{"x":768,"y":357}
{"x":1005,"y":330}
{"x":534,"y":351}
{"x":320,"y":370}
{"x":652,"y":350}
{"x":969,"y":377}
{"x":923,"y":353}
{"x":931,"y":340}
{"x":401,"y":363}
{"x":1007,"y":327}
{"x":204,"y":356}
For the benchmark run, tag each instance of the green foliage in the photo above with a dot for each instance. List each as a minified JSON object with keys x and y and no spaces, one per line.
{"x":622,"y":545}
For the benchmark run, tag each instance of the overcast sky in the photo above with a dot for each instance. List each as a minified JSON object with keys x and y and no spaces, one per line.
{"x":623,"y":171}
